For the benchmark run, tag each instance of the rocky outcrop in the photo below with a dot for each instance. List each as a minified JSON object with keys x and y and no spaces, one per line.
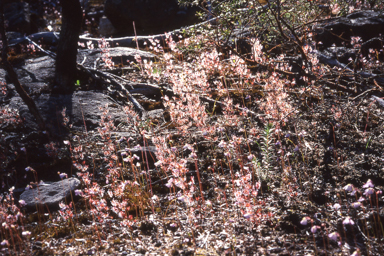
{"x":364,"y":24}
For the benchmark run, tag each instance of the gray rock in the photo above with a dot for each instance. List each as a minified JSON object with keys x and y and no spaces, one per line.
{"x":49,"y":195}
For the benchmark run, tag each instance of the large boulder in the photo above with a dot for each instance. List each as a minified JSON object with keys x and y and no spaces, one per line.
{"x":82,"y":108}
{"x":150,"y":16}
{"x":49,"y":195}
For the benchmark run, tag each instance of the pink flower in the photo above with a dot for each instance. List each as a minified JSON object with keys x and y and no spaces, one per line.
{"x":189,"y":147}
{"x":335,"y":9}
{"x":170,"y":182}
{"x":356,"y":205}
{"x":222,"y":144}
{"x":62,"y":206}
{"x":336,"y":207}
{"x":333,"y":236}
{"x":314,"y":229}
{"x":22,"y":203}
{"x":155,"y":198}
{"x":5,"y":243}
{"x":348,"y":187}
{"x":354,"y":191}
{"x":63,"y":175}
{"x":304,"y":220}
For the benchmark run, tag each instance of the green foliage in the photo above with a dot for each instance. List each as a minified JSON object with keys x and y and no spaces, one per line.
{"x":264,"y":168}
{"x":266,"y":146}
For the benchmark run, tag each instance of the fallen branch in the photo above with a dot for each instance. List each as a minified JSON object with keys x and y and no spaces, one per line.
{"x":156,"y":89}
{"x":52,"y":38}
{"x":113,"y":81}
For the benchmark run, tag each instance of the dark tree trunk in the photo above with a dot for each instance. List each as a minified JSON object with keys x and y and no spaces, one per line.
{"x":67,"y":48}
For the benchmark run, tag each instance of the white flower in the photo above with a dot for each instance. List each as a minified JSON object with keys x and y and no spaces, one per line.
{"x":369,"y":191}
{"x":369,"y":184}
{"x":26,"y":233}
{"x":348,"y":221}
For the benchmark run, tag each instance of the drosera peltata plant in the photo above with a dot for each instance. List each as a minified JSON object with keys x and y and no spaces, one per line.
{"x":204,"y":189}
